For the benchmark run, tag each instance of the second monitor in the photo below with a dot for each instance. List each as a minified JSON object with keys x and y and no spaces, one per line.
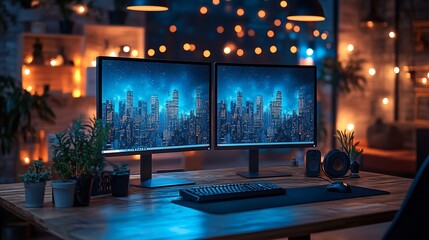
{"x":264,"y":106}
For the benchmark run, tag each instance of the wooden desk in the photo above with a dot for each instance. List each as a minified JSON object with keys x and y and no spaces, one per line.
{"x":149,"y":213}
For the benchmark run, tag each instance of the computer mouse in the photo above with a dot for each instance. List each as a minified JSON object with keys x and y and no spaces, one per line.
{"x":340,"y":187}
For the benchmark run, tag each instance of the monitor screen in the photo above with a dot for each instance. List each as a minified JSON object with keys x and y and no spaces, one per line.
{"x":153,"y":106}
{"x":263,"y":106}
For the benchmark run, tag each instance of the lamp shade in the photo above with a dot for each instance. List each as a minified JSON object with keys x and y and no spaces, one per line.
{"x":147,"y":5}
{"x":373,"y":19}
{"x":306,"y":11}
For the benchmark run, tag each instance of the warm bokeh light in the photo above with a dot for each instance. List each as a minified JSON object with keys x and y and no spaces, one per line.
{"x":316,"y":33}
{"x":173,"y":28}
{"x":206,"y":53}
{"x":324,"y":36}
{"x":309,"y":51}
{"x":203,"y":10}
{"x":350,"y":47}
{"x":238,"y":28}
{"x":53,"y":62}
{"x":28,"y":60}
{"x":186,"y":46}
{"x":408,"y":75}
{"x":113,"y":54}
{"x":396,"y":70}
{"x":29,"y":88}
{"x":240,"y":52}
{"x":350,"y":126}
{"x":240,"y":12}
{"x":240,"y":34}
{"x":192,"y":47}
{"x":93,"y":63}
{"x":424,"y":81}
{"x":80,"y":9}
{"x":261,"y":14}
{"x":293,"y":49}
{"x":392,"y":34}
{"x":151,"y":52}
{"x":372,"y":71}
{"x":126,"y":49}
{"x":27,"y":71}
{"x":251,"y":33}
{"x":216,"y":2}
{"x":162,"y":48}
{"x":277,"y":22}
{"x":385,"y":101}
{"x":370,"y":24}
{"x":428,"y":74}
{"x":283,"y":4}
{"x":296,"y":28}
{"x":273,"y":49}
{"x":27,"y":160}
{"x":134,"y":53}
{"x":220,"y":29}
{"x":270,"y":33}
{"x":76,"y":93}
{"x":227,"y":50}
{"x":258,"y":50}
{"x":289,"y":26}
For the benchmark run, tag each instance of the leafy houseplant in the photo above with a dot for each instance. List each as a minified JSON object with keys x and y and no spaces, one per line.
{"x":346,"y":139}
{"x":80,"y":148}
{"x":120,"y":180}
{"x":35,"y":181}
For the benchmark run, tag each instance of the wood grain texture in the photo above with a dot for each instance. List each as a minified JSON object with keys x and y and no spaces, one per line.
{"x":149,"y":213}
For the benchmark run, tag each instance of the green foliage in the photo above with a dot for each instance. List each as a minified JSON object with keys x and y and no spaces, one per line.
{"x":17,"y":107}
{"x":344,"y":76}
{"x":77,"y":151}
{"x":36,"y":173}
{"x":346,"y":139}
{"x":120,"y":170}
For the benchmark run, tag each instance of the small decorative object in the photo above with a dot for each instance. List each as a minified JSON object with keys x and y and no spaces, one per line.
{"x":38,"y":57}
{"x":120,"y":180}
{"x":35,"y":181}
{"x":294,"y":162}
{"x":80,"y":147}
{"x":346,"y":139}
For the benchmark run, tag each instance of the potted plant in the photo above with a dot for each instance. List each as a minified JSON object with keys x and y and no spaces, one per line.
{"x":18,"y":108}
{"x":64,"y":188}
{"x":120,"y":180}
{"x":35,"y":182}
{"x":81,"y":147}
{"x":346,"y":139}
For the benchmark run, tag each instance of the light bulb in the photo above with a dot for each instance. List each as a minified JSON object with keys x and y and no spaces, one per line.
{"x":350,"y":47}
{"x":385,"y":101}
{"x":350,"y":126}
{"x":396,"y":70}
{"x":371,"y":71}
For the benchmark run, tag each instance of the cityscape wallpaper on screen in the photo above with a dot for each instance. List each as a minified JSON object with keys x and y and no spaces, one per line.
{"x":151,"y":105}
{"x":263,"y":105}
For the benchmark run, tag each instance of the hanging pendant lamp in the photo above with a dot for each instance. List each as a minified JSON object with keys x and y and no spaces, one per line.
{"x":306,"y":11}
{"x":373,"y":19}
{"x":147,"y":5}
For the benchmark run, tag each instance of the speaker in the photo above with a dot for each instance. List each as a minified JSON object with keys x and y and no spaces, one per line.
{"x":336,"y":164}
{"x":312,"y":163}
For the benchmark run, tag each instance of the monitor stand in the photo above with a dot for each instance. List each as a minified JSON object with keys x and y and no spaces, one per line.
{"x":254,"y":168}
{"x":147,"y":181}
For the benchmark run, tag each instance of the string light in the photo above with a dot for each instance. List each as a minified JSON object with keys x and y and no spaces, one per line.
{"x":240,"y":12}
{"x":316,"y":33}
{"x":371,"y":71}
{"x":293,"y":49}
{"x":261,"y":14}
{"x":173,"y":28}
{"x":206,"y":53}
{"x":126,"y":49}
{"x":289,"y":26}
{"x":251,"y":33}
{"x":258,"y":50}
{"x":203,"y":10}
{"x":27,"y":71}
{"x":220,"y":29}
{"x":216,"y":2}
{"x":151,"y":52}
{"x":26,"y":160}
{"x":29,"y":88}
{"x":162,"y":48}
{"x":296,"y":29}
{"x":240,"y":52}
{"x":186,"y":46}
{"x":350,"y":47}
{"x":428,"y":74}
{"x":385,"y":101}
{"x":392,"y":34}
{"x":227,"y":50}
{"x":324,"y":36}
{"x":192,"y":47}
{"x":270,"y":33}
{"x":424,"y":81}
{"x":396,"y":70}
{"x":277,"y":22}
{"x":350,"y":126}
{"x":238,"y":28}
{"x":273,"y":49}
{"x":134,"y":53}
{"x":283,"y":4}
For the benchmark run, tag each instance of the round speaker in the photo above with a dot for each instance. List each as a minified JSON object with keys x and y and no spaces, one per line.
{"x":336,"y":164}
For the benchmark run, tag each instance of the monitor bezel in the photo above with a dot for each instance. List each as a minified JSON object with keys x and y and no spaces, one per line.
{"x":261,"y":146}
{"x":99,"y":103}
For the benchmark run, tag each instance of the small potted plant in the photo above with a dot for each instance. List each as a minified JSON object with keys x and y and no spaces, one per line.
{"x":120,"y":180}
{"x":346,"y":139}
{"x":64,"y":188}
{"x":35,"y":181}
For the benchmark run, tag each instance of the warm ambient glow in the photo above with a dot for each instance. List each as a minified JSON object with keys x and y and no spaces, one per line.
{"x":80,"y":9}
{"x":113,"y":54}
{"x":206,"y":53}
{"x":29,"y":88}
{"x":424,"y":81}
{"x":93,"y":63}
{"x":258,"y":50}
{"x":428,"y":74}
{"x":293,"y":49}
{"x":371,"y":71}
{"x":126,"y":49}
{"x":350,"y":126}
{"x":227,"y":50}
{"x":173,"y":28}
{"x":151,"y":52}
{"x":53,"y":62}
{"x":27,"y":71}
{"x":29,"y":59}
{"x":240,"y":52}
{"x":76,"y":93}
{"x":370,"y":24}
{"x":385,"y":101}
{"x":26,"y":160}
{"x":396,"y":70}
{"x":283,"y":4}
{"x":261,"y":14}
{"x":350,"y":47}
{"x":392,"y":34}
{"x":240,"y":12}
{"x":203,"y":10}
{"x":273,"y":49}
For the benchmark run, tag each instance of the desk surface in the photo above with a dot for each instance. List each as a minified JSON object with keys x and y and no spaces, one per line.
{"x":149,"y":213}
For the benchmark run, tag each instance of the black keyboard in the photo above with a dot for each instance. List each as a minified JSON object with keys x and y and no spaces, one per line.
{"x":221,"y":192}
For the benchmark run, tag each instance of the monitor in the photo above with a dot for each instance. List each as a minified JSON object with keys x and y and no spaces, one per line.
{"x":153,"y":106}
{"x":264,"y":106}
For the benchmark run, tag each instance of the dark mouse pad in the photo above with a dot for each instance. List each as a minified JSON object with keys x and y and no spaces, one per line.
{"x":294,"y":196}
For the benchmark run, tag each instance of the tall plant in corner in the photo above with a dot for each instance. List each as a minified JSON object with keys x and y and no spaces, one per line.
{"x":18,"y":108}
{"x":344,"y":77}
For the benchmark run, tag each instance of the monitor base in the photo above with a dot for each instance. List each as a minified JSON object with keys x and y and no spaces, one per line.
{"x":264,"y":174}
{"x":161,"y":182}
